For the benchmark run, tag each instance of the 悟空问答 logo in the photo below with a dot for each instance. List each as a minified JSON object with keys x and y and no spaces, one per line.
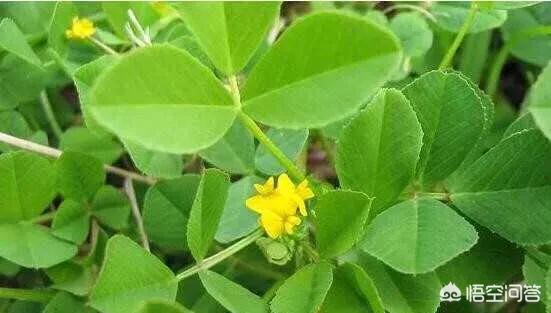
{"x":450,"y":293}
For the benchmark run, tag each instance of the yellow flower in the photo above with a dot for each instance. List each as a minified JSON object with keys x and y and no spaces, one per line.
{"x":80,"y":29}
{"x":278,"y":206}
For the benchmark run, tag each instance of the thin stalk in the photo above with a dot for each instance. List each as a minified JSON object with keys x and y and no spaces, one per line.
{"x":129,"y":189}
{"x":220,"y":256}
{"x":257,"y":132}
{"x":501,"y":57}
{"x":292,"y":169}
{"x":42,"y":296}
{"x":103,"y":46}
{"x":55,"y":153}
{"x":446,"y":62}
{"x":50,"y":116}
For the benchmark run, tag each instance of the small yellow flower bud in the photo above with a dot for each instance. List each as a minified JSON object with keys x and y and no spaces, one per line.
{"x":81,"y":29}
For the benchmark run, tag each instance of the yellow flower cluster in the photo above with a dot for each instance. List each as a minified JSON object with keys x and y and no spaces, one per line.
{"x":280,"y":207}
{"x":81,"y":29}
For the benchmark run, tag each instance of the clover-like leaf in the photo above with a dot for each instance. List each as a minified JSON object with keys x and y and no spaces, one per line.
{"x":129,"y":277}
{"x":418,"y":235}
{"x":284,"y":91}
{"x":179,"y":104}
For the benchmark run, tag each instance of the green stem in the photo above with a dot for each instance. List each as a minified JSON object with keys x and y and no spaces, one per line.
{"x":257,"y":132}
{"x":292,"y":169}
{"x":220,"y":256}
{"x":50,"y":116}
{"x":460,"y":36}
{"x":501,"y":57}
{"x":103,"y":46}
{"x":42,"y":296}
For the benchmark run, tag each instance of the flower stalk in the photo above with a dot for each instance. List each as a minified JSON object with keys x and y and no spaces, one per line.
{"x":448,"y":58}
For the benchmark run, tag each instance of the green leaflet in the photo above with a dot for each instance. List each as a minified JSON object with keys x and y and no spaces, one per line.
{"x":111,"y":207}
{"x":452,"y":118}
{"x":13,"y":41}
{"x":305,"y":291}
{"x":28,"y":185}
{"x":66,"y":303}
{"x":535,"y":50}
{"x":206,"y":211}
{"x":290,"y":141}
{"x":230,"y":32}
{"x":155,"y":163}
{"x":403,"y":293}
{"x":84,"y":140}
{"x":234,"y":152}
{"x":84,"y":78}
{"x":72,"y":277}
{"x":62,"y":17}
{"x":540,"y":101}
{"x":451,"y":16}
{"x":71,"y":222}
{"x":480,"y":266}
{"x":166,"y":211}
{"x":284,"y":91}
{"x":414,"y":33}
{"x":13,"y":123}
{"x":178,"y":103}
{"x":79,"y":176}
{"x":232,"y":296}
{"x":352,"y":291}
{"x":508,"y":189}
{"x":237,"y":220}
{"x":418,"y":235}
{"x":129,"y":277}
{"x":340,"y":219}
{"x":33,"y":246}
{"x":378,"y":150}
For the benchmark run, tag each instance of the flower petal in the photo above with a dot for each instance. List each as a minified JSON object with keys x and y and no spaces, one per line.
{"x":284,"y":185}
{"x":303,"y":191}
{"x":258,"y":204}
{"x":272,"y":223}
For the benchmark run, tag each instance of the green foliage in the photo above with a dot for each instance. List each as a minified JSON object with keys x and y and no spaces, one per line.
{"x":493,"y":189}
{"x":341,"y":217}
{"x":206,"y":211}
{"x":221,"y":29}
{"x":290,"y":141}
{"x":28,"y":186}
{"x":414,"y":33}
{"x":379,"y":149}
{"x":232,"y":296}
{"x":170,"y":123}
{"x":418,"y":235}
{"x":33,"y":246}
{"x":236,"y":220}
{"x":305,"y":291}
{"x":166,"y":211}
{"x":79,"y":176}
{"x":451,"y":16}
{"x":129,"y":277}
{"x":279,"y":89}
{"x":540,"y":101}
{"x":13,"y":41}
{"x":452,"y":118}
{"x":141,"y":166}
